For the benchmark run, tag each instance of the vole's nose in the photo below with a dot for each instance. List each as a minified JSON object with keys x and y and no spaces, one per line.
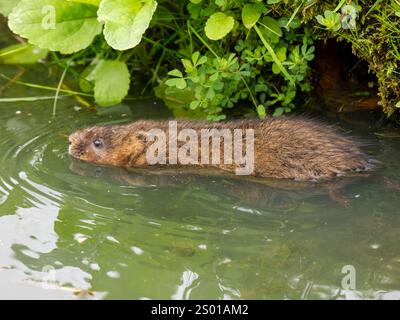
{"x":73,"y":139}
{"x":76,"y":146}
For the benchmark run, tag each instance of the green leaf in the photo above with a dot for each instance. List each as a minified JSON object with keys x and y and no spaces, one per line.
{"x":218,"y":26}
{"x":214,"y":77}
{"x":250,"y":15}
{"x":275,"y":68}
{"x":331,"y":20}
{"x":273,"y":55}
{"x":202,"y":60}
{"x":22,"y":53}
{"x":320,"y":19}
{"x":273,"y":1}
{"x":175,"y":73}
{"x":125,"y":21}
{"x":195,"y":57}
{"x":281,"y":53}
{"x":57,"y":25}
{"x":179,"y":83}
{"x":92,"y":2}
{"x":187,"y":65}
{"x":261,"y":111}
{"x":194,"y":104}
{"x":112,"y":80}
{"x":6,"y":6}
{"x":398,"y":104}
{"x":279,"y":111}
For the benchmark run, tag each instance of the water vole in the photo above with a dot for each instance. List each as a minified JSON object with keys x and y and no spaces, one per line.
{"x":285,"y":147}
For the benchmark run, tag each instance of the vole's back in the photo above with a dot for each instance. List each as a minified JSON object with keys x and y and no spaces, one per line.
{"x":303,"y":149}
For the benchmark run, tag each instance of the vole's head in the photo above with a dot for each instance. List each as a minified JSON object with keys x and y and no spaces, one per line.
{"x":107,"y":145}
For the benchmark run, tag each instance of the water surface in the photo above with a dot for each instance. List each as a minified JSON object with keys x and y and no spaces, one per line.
{"x":66,"y":226}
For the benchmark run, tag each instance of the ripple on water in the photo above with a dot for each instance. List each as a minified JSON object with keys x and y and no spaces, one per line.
{"x":180,"y":237}
{"x":31,"y":197}
{"x":21,"y":161}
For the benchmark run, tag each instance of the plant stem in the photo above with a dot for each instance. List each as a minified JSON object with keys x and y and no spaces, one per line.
{"x":273,"y":55}
{"x":38,"y":86}
{"x":202,"y":40}
{"x":58,"y":89}
{"x":341,"y":3}
{"x":251,"y":94}
{"x":161,"y":46}
{"x":377,"y":2}
{"x":2,"y":54}
{"x":294,"y":15}
{"x":29,"y":99}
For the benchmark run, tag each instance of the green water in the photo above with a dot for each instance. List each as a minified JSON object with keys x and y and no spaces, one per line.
{"x":67,"y":226}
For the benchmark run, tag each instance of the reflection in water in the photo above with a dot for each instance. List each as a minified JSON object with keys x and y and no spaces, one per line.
{"x":262,"y":193}
{"x":26,"y":236}
{"x":259,"y":239}
{"x":67,"y":226}
{"x":189,"y":282}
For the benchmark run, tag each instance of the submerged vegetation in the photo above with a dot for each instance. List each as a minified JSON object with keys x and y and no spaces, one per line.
{"x":204,"y":58}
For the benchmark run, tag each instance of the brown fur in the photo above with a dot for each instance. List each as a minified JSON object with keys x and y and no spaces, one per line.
{"x":285,"y":147}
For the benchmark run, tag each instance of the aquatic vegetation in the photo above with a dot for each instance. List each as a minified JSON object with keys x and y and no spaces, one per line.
{"x":205,"y":58}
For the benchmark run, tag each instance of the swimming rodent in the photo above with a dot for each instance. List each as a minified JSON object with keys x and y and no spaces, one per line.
{"x":285,"y":147}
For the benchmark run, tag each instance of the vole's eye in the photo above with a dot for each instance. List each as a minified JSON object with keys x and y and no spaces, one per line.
{"x":98,"y":143}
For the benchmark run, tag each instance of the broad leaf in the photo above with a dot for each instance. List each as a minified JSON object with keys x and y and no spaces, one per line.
{"x":6,"y":6}
{"x":125,"y":21}
{"x":218,"y":26}
{"x":112,"y":80}
{"x":279,"y":111}
{"x":179,"y":83}
{"x":250,"y":15}
{"x":57,"y":25}
{"x":22,"y":53}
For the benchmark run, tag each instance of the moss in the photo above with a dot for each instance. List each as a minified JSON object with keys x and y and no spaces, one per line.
{"x":375,"y":40}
